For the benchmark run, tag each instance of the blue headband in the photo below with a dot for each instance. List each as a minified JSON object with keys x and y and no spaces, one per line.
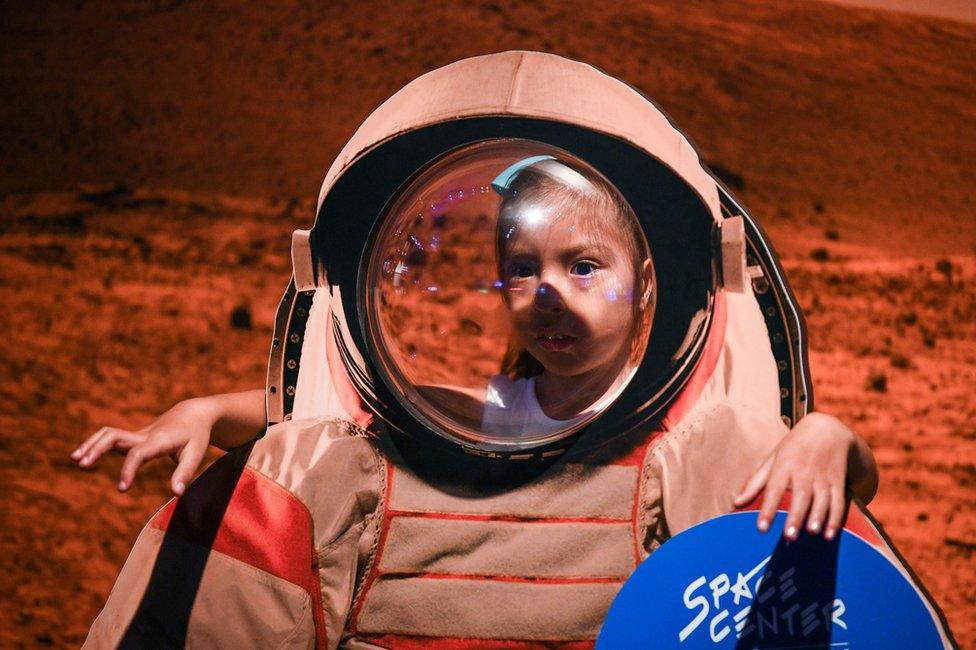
{"x":504,"y":180}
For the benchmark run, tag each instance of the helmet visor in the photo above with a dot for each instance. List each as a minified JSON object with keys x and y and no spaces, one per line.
{"x":509,"y":294}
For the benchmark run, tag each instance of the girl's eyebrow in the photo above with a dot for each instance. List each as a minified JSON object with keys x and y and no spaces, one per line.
{"x":596,"y":249}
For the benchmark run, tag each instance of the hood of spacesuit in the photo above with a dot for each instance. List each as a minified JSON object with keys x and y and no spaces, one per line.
{"x":531,"y":85}
{"x":573,"y":112}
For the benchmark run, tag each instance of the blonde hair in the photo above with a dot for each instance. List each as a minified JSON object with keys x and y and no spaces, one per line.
{"x":534,"y":186}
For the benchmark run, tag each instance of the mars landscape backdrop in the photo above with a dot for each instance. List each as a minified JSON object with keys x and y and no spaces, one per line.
{"x":155,"y":157}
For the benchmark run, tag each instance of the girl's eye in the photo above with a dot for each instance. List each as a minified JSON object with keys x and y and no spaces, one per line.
{"x":520,"y":271}
{"x":583,"y":269}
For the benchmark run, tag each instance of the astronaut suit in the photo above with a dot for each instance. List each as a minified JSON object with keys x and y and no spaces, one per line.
{"x":418,"y":486}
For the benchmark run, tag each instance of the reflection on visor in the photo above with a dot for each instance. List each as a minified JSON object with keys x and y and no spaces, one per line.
{"x":510,"y":294}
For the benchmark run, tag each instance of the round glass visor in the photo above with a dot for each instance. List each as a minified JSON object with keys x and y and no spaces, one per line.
{"x":509,"y":294}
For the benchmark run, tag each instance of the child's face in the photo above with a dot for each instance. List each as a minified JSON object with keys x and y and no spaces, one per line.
{"x":570,"y":283}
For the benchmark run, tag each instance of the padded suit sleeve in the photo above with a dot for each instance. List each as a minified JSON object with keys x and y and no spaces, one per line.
{"x":262,"y":550}
{"x":211,"y":569}
{"x":705,"y":462}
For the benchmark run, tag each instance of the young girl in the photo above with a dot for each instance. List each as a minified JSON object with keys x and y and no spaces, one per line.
{"x":571,"y":345}
{"x":577,"y":286}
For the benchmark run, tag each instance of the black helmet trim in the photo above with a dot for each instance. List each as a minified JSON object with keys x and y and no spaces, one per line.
{"x":781,"y":310}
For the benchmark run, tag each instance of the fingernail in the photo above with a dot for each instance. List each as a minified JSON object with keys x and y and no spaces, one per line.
{"x":75,"y":453}
{"x":85,"y":461}
{"x":180,"y":487}
{"x":814,"y":526}
{"x":121,"y":486}
{"x":764,"y":525}
{"x":791,"y":532}
{"x":830,"y":534}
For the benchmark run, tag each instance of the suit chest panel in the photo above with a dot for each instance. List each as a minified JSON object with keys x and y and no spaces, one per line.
{"x":540,"y":562}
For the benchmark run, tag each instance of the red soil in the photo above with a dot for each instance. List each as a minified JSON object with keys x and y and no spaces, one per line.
{"x":849,"y":133}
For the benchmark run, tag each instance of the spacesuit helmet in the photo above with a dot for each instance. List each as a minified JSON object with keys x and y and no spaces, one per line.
{"x":514,"y":250}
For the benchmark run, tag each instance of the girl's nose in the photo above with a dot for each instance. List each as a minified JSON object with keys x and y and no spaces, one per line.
{"x":548,"y":298}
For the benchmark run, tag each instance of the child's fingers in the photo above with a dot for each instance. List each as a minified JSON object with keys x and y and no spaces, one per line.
{"x":756,"y":483}
{"x":149,"y":448}
{"x":118,"y":439}
{"x":95,"y":451}
{"x":82,"y":450}
{"x":818,"y":511}
{"x":775,"y":487}
{"x":132,"y":461}
{"x":109,"y":439}
{"x":189,"y":462}
{"x":838,"y":507}
{"x":799,"y":504}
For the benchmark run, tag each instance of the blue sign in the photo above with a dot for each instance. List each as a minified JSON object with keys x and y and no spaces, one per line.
{"x":723,"y":584}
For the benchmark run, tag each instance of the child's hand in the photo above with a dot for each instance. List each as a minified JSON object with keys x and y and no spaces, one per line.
{"x":183,"y":431}
{"x":816,"y":461}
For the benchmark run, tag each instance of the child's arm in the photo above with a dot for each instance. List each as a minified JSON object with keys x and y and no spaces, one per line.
{"x":818,"y":461}
{"x":226,"y":421}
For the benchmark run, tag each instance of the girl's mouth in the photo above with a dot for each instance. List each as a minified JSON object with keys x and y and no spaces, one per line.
{"x":555,"y":342}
